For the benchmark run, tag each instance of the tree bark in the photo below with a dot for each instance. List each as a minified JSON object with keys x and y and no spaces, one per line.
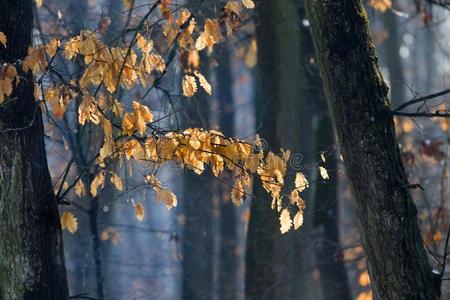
{"x":393,"y":58}
{"x":198,"y":273}
{"x":324,"y":205}
{"x":358,"y":102}
{"x":228,"y":260}
{"x":277,"y":265}
{"x":31,"y":253}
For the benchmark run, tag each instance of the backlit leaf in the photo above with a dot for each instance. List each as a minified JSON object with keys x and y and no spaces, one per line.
{"x":189,"y":86}
{"x":324,"y":173}
{"x":298,"y":220}
{"x":117,"y":181}
{"x":3,"y":39}
{"x":69,"y":222}
{"x":248,"y":4}
{"x":285,"y":221}
{"x":203,"y":82}
{"x":139,"y":211}
{"x":80,"y":191}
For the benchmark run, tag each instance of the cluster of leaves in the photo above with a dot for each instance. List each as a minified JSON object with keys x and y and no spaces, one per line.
{"x":134,"y":134}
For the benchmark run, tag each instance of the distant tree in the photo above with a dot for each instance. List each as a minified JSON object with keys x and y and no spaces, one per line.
{"x":228,"y":258}
{"x":283,"y":118}
{"x":324,"y":208}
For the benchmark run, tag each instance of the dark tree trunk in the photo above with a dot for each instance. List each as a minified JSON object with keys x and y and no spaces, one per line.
{"x":393,"y":58}
{"x":228,"y":272}
{"x":357,"y":98}
{"x":324,"y":201}
{"x":328,"y":250}
{"x":276,"y":265}
{"x":198,"y":275}
{"x":31,"y":253}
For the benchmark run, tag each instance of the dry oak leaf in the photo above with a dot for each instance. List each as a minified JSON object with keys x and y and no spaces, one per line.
{"x":203,"y":82}
{"x":116,"y":181}
{"x":99,"y":181}
{"x":69,"y":222}
{"x":324,"y":173}
{"x":381,"y":5}
{"x":285,"y":221}
{"x":298,"y":220}
{"x":210,"y":36}
{"x":248,"y":4}
{"x":7,"y":75}
{"x":166,"y":196}
{"x":189,"y":86}
{"x":80,"y":191}
{"x":3,"y":39}
{"x":139,"y":211}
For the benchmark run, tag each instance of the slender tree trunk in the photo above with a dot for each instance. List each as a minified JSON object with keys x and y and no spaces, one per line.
{"x":328,"y":250}
{"x":277,"y":266}
{"x":393,"y":58}
{"x":198,"y":275}
{"x":31,"y":253}
{"x":324,"y":201}
{"x":357,"y":98}
{"x":228,"y":220}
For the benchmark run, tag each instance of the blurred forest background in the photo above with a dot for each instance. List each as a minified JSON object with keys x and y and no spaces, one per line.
{"x":264,"y":80}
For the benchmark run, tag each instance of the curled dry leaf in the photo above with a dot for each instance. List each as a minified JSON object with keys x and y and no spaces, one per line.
{"x":203,"y":82}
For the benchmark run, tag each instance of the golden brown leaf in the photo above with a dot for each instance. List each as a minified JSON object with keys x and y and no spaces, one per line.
{"x":381,"y":5}
{"x":145,"y":45}
{"x":210,"y":36}
{"x":69,"y":222}
{"x":35,"y":61}
{"x":364,"y":279}
{"x":251,"y":57}
{"x":298,"y":220}
{"x":99,"y":181}
{"x":237,"y":194}
{"x":248,"y":4}
{"x":167,"y":197}
{"x":52,"y":47}
{"x":203,"y":82}
{"x":3,"y":39}
{"x":117,"y":181}
{"x":366,"y":295}
{"x":80,"y":191}
{"x":139,"y":211}
{"x":7,"y":75}
{"x":285,"y":221}
{"x":301,"y":182}
{"x":189,"y":86}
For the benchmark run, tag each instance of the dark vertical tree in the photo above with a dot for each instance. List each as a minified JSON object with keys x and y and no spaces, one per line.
{"x":275,"y":264}
{"x":198,"y":275}
{"x":324,"y":205}
{"x":358,"y":102}
{"x":392,"y":56}
{"x":31,"y":253}
{"x":227,"y":273}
